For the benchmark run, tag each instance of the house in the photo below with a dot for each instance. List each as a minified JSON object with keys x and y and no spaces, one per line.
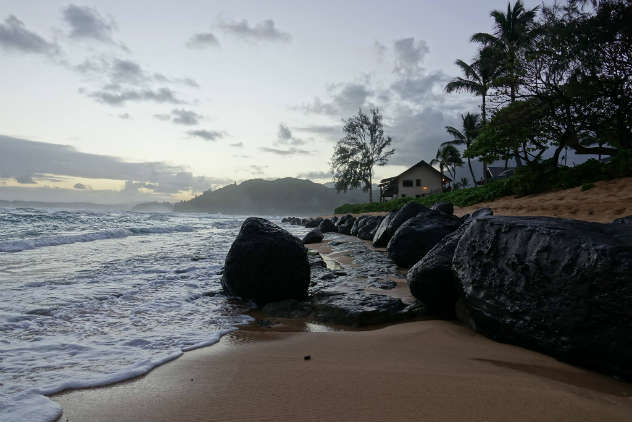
{"x":495,"y":173}
{"x":420,"y":180}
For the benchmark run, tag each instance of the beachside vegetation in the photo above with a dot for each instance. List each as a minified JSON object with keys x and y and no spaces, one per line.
{"x":363,"y":147}
{"x":551,"y":79}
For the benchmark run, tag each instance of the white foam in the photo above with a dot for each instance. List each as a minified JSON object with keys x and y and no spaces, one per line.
{"x":40,"y":242}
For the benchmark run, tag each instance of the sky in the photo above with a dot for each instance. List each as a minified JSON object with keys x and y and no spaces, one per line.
{"x":130,"y":101}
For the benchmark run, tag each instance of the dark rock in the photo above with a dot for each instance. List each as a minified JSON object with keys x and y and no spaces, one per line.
{"x":431,"y":279}
{"x":367,"y":230}
{"x":356,"y":225}
{"x":345,"y":223}
{"x":314,"y":236}
{"x":327,"y":226}
{"x":445,"y":207}
{"x":266,"y":263}
{"x":381,"y":235}
{"x":334,"y":219}
{"x":418,"y":235}
{"x":290,"y":308}
{"x":313,"y":222}
{"x":408,"y":211}
{"x":623,"y":220}
{"x":562,"y":287}
{"x":393,"y":220}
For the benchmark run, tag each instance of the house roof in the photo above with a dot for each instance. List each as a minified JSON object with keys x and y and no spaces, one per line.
{"x":422,"y":163}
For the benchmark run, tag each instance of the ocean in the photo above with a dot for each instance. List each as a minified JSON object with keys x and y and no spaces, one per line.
{"x":90,"y":298}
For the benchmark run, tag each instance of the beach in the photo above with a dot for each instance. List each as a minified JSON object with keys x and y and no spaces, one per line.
{"x":419,"y":370}
{"x":431,"y":370}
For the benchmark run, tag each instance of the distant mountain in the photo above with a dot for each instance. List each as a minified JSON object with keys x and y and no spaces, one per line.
{"x":154,"y":207}
{"x":288,"y":196}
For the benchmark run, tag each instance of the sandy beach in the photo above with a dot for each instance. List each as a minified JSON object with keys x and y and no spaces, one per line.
{"x":422,"y":370}
{"x":432,"y":370}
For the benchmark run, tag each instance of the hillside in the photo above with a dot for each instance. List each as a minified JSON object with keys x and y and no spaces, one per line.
{"x":287,"y":196}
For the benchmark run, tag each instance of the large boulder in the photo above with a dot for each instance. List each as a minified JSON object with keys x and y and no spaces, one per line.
{"x":313,"y":222}
{"x":393,"y":220}
{"x":431,"y":279}
{"x":563,"y":287}
{"x":313,"y":236}
{"x":418,"y":235}
{"x":266,"y":264}
{"x":357,"y":224}
{"x":445,"y":207}
{"x":327,"y":226}
{"x":623,"y":220}
{"x":345,"y":223}
{"x":381,"y":236}
{"x":368,"y":229}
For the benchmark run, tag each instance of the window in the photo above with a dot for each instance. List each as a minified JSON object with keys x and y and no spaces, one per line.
{"x":418,"y":182}
{"x":407,"y":183}
{"x":403,"y":195}
{"x":417,"y":196}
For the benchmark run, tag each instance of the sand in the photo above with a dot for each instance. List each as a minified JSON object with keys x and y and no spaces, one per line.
{"x":608,"y":200}
{"x":421,"y":370}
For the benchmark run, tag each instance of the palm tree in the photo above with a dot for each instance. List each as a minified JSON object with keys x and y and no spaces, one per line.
{"x":512,"y":33}
{"x":478,"y":77}
{"x":471,"y":127}
{"x":448,"y":157}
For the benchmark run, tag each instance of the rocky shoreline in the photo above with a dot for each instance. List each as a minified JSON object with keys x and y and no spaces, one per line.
{"x":558,"y":286}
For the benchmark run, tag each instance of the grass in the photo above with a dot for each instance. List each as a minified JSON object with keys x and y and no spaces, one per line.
{"x":535,"y":178}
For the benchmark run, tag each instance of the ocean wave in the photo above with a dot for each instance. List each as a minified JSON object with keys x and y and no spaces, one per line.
{"x":40,"y":242}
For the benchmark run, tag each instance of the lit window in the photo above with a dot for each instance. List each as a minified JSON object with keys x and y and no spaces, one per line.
{"x":425,"y":188}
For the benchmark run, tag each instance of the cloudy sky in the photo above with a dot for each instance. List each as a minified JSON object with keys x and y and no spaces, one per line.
{"x":118,"y":101}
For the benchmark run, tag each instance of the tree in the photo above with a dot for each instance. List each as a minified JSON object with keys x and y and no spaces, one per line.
{"x":478,"y":77}
{"x":362,"y":148}
{"x":471,"y":128}
{"x":448,"y":157}
{"x":513,"y":31}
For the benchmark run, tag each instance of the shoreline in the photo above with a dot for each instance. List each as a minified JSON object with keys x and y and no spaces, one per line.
{"x":424,"y":369}
{"x":415,"y":370}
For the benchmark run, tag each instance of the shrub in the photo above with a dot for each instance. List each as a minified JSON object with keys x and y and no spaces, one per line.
{"x":587,"y":186}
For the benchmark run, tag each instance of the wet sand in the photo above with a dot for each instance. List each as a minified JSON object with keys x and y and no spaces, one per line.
{"x":420,"y":370}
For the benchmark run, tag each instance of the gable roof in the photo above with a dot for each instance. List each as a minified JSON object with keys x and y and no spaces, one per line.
{"x":421,"y":163}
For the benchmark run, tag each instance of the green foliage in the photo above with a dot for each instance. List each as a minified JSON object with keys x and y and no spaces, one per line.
{"x":587,"y":186}
{"x":530,"y":179}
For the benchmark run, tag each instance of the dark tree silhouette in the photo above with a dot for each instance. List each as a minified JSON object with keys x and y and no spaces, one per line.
{"x":363,"y":147}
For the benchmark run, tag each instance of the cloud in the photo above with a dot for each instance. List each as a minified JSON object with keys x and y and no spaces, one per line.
{"x":25,"y":180}
{"x":163,"y":117}
{"x":192,"y":83}
{"x":202,"y":40}
{"x":185,"y":117}
{"x":284,"y":136}
{"x":262,"y":31}
{"x":346,"y":100}
{"x":16,"y":37}
{"x":237,"y":145}
{"x":125,"y":116}
{"x":284,"y":152}
{"x":81,"y":186}
{"x":409,"y":55}
{"x":380,"y":51}
{"x":329,"y":132}
{"x":115,"y":95}
{"x":25,"y":159}
{"x":86,"y":23}
{"x":207,"y":135}
{"x":315,"y":175}
{"x":257,"y":170}
{"x":420,"y":89}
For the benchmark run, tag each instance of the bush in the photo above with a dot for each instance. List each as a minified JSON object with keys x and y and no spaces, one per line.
{"x":530,"y":179}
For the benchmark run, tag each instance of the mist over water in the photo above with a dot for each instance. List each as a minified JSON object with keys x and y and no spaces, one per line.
{"x":89,"y":298}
